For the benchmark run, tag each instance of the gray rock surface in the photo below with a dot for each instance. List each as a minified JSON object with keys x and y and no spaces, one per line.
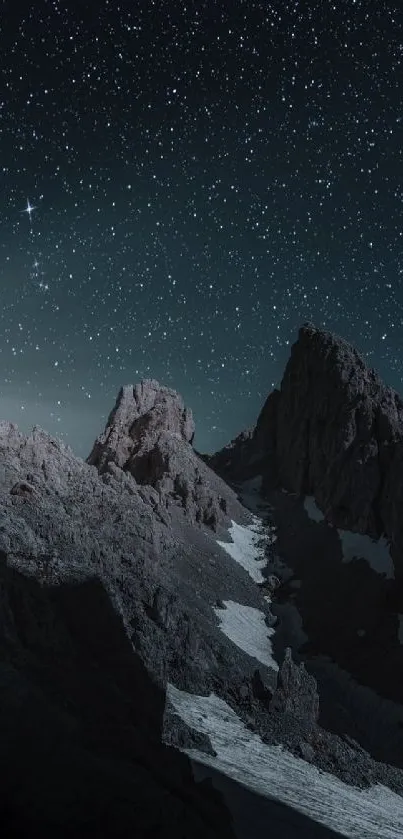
{"x":296,"y":691}
{"x":149,"y":435}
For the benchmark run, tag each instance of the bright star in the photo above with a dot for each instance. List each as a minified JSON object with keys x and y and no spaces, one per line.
{"x":29,"y":209}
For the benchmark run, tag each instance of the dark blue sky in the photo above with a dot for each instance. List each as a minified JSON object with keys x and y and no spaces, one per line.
{"x":205,"y":177}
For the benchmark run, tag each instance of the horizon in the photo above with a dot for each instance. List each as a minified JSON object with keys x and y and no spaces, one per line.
{"x":80,"y":434}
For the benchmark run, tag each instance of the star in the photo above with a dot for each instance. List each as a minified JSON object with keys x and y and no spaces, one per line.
{"x":29,"y":209}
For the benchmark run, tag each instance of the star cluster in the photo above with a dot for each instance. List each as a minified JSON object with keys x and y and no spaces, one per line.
{"x":182,"y":186}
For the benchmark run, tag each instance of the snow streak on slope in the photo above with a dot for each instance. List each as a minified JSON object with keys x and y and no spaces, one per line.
{"x":357,"y":545}
{"x":273,"y":772}
{"x":312,"y":509}
{"x":246,"y":627}
{"x":377,"y":554}
{"x":245,"y":549}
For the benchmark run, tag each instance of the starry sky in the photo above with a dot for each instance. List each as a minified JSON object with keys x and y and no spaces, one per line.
{"x":183,"y":184}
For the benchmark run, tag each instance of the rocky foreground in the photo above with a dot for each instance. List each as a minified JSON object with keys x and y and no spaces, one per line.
{"x":158,"y":607}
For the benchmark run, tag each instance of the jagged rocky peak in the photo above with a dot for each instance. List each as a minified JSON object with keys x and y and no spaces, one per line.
{"x":149,"y":434}
{"x":333,"y":430}
{"x":336,"y":429}
{"x":296,"y":691}
{"x":141,"y":413}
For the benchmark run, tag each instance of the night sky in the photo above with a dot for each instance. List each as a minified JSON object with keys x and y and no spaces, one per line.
{"x":183,"y":184}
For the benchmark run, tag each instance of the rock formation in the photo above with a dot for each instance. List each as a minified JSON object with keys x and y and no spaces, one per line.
{"x":296,"y":692}
{"x":334,"y":431}
{"x":337,"y":429}
{"x":149,"y":435}
{"x":141,"y":414}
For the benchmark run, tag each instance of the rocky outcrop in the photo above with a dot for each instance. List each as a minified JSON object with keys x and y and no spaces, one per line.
{"x":141,"y":414}
{"x":296,"y":692}
{"x":149,"y":435}
{"x":334,"y":431}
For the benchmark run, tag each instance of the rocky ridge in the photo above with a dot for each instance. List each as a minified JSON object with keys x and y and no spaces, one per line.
{"x":149,"y":435}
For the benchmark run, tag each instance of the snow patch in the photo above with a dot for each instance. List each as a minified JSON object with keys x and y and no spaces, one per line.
{"x":273,"y":772}
{"x":245,"y":549}
{"x":311,"y":507}
{"x":356,"y":545}
{"x":246,"y":627}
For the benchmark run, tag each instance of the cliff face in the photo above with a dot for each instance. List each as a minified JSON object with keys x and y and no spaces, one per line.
{"x":334,"y":431}
{"x":337,"y":430}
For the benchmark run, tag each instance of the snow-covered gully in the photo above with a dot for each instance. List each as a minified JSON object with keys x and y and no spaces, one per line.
{"x":267,"y":770}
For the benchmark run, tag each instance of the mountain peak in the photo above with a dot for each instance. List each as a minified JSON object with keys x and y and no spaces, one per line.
{"x":141,"y":414}
{"x":332,"y":430}
{"x":149,"y":434}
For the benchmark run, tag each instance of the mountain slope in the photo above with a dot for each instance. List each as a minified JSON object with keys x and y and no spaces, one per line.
{"x":325,"y":459}
{"x":148,"y":608}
